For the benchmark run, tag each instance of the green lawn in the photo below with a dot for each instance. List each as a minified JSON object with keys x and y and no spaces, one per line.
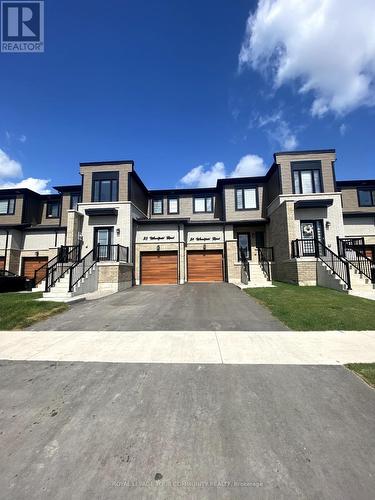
{"x":316,"y":308}
{"x":364,"y":370}
{"x":18,"y":310}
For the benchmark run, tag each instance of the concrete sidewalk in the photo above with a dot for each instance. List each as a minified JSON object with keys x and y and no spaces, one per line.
{"x":286,"y":348}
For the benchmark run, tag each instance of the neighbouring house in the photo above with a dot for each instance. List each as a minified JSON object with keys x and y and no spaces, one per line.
{"x":296,"y":224}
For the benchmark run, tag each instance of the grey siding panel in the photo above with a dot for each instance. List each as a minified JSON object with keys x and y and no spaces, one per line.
{"x":350,"y":201}
{"x":230,"y":205}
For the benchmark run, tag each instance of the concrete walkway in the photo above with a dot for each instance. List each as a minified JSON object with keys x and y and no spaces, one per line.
{"x":286,"y":347}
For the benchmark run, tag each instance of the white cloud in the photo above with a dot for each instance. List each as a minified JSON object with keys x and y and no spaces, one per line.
{"x":207,"y":176}
{"x":9,"y":168}
{"x":343,"y":129}
{"x":278,"y":129}
{"x":38,"y":185}
{"x":249,"y":166}
{"x":326,"y":46}
{"x":22,"y":138}
{"x":202,"y":176}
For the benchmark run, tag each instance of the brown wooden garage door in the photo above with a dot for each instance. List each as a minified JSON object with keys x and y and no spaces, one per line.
{"x":31,"y":264}
{"x":2,"y":263}
{"x":159,"y":268}
{"x":205,"y":265}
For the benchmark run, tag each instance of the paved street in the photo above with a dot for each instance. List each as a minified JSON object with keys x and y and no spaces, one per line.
{"x":106,"y":430}
{"x":198,"y":306}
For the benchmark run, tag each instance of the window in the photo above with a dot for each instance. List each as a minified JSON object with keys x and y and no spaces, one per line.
{"x":105,"y":190}
{"x":157,"y":207}
{"x":307,"y":177}
{"x":7,"y":206}
{"x":74,"y":200}
{"x":243,"y":245}
{"x":203,"y":204}
{"x":366,"y":197}
{"x":53,"y":209}
{"x":173,"y":206}
{"x":246,"y":198}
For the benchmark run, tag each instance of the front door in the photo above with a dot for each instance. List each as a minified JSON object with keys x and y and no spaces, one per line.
{"x":102,"y":242}
{"x":310,"y":231}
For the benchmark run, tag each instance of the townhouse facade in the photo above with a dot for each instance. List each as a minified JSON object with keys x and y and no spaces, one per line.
{"x":296,"y":224}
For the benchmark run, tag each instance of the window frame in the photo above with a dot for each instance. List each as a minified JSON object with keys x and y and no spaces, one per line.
{"x":171,"y":198}
{"x":243,"y":188}
{"x":72,"y":195}
{"x":307,"y":166}
{"x":153,"y":204}
{"x":248,"y":235}
{"x":205,"y":198}
{"x":49,"y":203}
{"x":113,"y":187}
{"x":14,"y":205}
{"x":372,"y":194}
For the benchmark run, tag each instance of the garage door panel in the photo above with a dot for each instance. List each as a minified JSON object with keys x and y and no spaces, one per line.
{"x":205,"y":266}
{"x":31,"y":264}
{"x":159,"y":268}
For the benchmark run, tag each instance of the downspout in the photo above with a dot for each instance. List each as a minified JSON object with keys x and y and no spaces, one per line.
{"x":6,"y":250}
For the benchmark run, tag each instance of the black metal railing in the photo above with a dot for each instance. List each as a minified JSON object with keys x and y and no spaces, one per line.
{"x":80,"y":268}
{"x":65,"y":254}
{"x":344,"y":243}
{"x":317,"y":249}
{"x":116,"y":253}
{"x":265,"y":257}
{"x":245,"y":267}
{"x":69,"y":253}
{"x":100,"y":253}
{"x":357,"y":258}
{"x":58,"y":269}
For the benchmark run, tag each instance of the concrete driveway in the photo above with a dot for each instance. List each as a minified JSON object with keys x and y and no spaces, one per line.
{"x":202,"y":306}
{"x":150,"y":431}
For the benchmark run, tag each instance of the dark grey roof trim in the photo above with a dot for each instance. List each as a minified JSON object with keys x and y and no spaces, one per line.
{"x":313,"y":203}
{"x":356,"y":183}
{"x":358,"y":214}
{"x":101,"y":211}
{"x":112,"y":162}
{"x":72,"y":187}
{"x":304,"y":152}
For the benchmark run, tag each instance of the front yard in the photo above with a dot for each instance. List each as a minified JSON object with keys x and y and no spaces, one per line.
{"x":19,"y":310}
{"x":316,"y":308}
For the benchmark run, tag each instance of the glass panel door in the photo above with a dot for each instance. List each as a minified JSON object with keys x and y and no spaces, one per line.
{"x":310,"y":231}
{"x":102,"y":243}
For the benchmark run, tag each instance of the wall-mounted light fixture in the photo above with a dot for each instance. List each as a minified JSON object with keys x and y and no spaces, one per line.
{"x":158,"y":248}
{"x":204,"y":247}
{"x":328,"y":224}
{"x":36,"y":254}
{"x":118,"y":231}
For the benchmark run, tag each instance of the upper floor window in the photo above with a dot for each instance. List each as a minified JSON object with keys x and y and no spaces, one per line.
{"x":366,"y":197}
{"x":157,"y":207}
{"x":307,"y":177}
{"x":246,"y":198}
{"x":53,"y":209}
{"x":203,"y":204}
{"x":105,"y":190}
{"x":7,"y":206}
{"x":173,"y":206}
{"x":74,"y":200}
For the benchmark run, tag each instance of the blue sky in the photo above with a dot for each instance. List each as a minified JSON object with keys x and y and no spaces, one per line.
{"x":160,"y":82}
